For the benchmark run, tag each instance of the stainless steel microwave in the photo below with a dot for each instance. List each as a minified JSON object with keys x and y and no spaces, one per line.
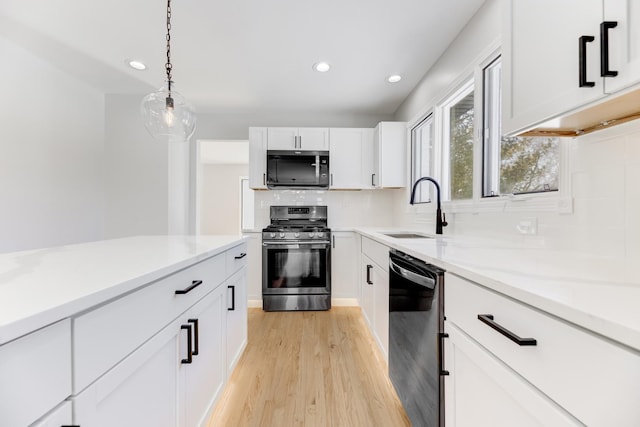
{"x":292,"y":169}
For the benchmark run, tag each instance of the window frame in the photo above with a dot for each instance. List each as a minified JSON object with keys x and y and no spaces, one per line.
{"x":559,"y":201}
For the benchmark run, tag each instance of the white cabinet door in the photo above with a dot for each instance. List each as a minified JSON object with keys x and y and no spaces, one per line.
{"x":61,"y":416}
{"x":624,"y":43}
{"x":367,"y":160}
{"x":282,"y":138}
{"x":481,"y":391}
{"x":389,"y":155}
{"x":346,"y":157}
{"x":381,"y":308}
{"x":344,"y":265}
{"x":313,"y":139}
{"x":258,"y":158}
{"x":540,"y":59}
{"x":142,"y":390}
{"x":202,"y":380}
{"x":366,"y":290}
{"x":236,"y":318}
{"x":310,"y":139}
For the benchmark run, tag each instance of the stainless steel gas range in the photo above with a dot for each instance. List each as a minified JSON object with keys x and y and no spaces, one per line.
{"x":296,"y":259}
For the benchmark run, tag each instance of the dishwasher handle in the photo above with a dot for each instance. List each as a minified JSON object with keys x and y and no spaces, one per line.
{"x":416,"y":278}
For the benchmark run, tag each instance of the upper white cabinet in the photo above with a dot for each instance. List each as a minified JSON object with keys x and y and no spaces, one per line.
{"x":349,"y":168}
{"x":560,"y":56}
{"x":624,"y":43}
{"x":311,"y":139}
{"x":389,"y":155}
{"x":258,"y":158}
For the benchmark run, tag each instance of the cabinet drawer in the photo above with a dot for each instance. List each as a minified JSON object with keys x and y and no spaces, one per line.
{"x":593,"y":379}
{"x":35,"y":373}
{"x":105,"y":336}
{"x":378,"y":252}
{"x":236,"y":258}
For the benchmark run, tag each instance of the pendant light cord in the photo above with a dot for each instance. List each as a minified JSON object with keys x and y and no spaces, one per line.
{"x":168,"y":65}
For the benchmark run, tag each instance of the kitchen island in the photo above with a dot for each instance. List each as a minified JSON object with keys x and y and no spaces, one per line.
{"x":114,"y":329}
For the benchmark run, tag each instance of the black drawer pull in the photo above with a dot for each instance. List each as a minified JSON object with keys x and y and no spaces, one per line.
{"x":233,"y":298}
{"x":442,"y":336}
{"x":194,"y":285}
{"x":582,"y":61}
{"x":488,"y":319}
{"x":189,"y":358}
{"x":369,"y":267}
{"x":604,"y":48}
{"x":196,"y":335}
{"x":242,"y":255}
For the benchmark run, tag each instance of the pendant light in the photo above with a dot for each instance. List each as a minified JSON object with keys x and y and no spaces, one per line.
{"x":167,"y":115}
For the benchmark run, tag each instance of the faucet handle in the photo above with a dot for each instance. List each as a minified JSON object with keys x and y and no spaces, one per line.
{"x":444,"y":220}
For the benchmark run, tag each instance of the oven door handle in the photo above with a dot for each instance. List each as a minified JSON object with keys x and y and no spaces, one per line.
{"x":418,"y":279}
{"x":290,"y":245}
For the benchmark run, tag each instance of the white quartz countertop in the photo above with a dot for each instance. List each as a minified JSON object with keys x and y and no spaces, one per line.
{"x":601,"y":294}
{"x":42,"y":286}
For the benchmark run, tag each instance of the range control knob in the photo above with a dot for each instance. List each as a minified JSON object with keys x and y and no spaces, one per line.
{"x":320,"y":234}
{"x":282,"y":235}
{"x":272,"y":234}
{"x":296,"y":234}
{"x":312,"y":234}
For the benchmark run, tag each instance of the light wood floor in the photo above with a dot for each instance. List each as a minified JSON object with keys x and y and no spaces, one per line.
{"x":309,"y":369}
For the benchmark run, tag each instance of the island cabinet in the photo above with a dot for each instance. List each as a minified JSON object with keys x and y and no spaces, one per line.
{"x":35,"y":376}
{"x":161,"y":355}
{"x":511,"y":364}
{"x":561,"y":56}
{"x":374,"y":294}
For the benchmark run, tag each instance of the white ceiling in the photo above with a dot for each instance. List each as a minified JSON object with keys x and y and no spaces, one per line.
{"x":247,"y":55}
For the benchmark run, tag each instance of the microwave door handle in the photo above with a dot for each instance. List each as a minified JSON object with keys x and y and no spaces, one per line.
{"x":317,"y":169}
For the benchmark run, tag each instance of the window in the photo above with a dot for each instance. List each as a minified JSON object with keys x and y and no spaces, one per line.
{"x":421,"y":155}
{"x":513,"y":165}
{"x":457,"y":150}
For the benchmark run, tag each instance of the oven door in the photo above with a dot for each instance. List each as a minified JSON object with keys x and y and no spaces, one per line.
{"x":296,"y":268}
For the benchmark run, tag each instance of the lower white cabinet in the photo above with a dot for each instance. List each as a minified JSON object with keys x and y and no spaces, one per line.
{"x":142,"y":390}
{"x":344,"y":271}
{"x":512,"y":364}
{"x":202,"y":375}
{"x":35,"y":374}
{"x":374,"y":294}
{"x":61,"y":416}
{"x":481,"y":391}
{"x":236,"y":312}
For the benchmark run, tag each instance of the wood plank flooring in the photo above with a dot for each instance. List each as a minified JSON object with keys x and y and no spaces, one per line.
{"x":309,"y":369}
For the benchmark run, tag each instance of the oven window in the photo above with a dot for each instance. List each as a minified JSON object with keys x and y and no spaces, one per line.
{"x":296,"y":268}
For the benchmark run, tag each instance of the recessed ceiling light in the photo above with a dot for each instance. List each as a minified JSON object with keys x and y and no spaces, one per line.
{"x":136,"y":65}
{"x":321,"y":67}
{"x":394,"y":78}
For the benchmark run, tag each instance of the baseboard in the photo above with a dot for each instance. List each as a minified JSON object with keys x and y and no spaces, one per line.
{"x":254,"y":303}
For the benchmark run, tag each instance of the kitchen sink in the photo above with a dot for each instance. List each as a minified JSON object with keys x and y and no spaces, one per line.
{"x":407,"y":236}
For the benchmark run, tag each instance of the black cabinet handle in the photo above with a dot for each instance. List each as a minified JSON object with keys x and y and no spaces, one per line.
{"x":242,"y":255}
{"x":70,"y":426}
{"x":196,"y":336}
{"x":369,"y":267}
{"x":264,"y":179}
{"x":488,"y":319}
{"x":373,"y":184}
{"x":194,"y":285}
{"x":332,"y":180}
{"x":442,"y":336}
{"x":604,"y":48}
{"x":233,"y":297}
{"x":189,"y":358}
{"x":582,"y":61}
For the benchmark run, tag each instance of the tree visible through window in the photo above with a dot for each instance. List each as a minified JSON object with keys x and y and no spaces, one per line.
{"x":461,"y":148}
{"x":529,"y":164}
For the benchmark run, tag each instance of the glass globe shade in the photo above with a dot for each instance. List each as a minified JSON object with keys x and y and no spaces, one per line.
{"x":168,"y":116}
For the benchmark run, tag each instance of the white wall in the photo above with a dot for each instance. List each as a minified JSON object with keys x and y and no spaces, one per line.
{"x":220,"y":198}
{"x":51,"y":172}
{"x":136,"y":172}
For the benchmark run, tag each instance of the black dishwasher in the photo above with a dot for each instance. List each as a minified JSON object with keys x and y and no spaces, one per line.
{"x":416,"y":330}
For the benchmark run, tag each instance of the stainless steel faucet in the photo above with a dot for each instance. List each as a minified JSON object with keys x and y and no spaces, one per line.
{"x":440,"y":218}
